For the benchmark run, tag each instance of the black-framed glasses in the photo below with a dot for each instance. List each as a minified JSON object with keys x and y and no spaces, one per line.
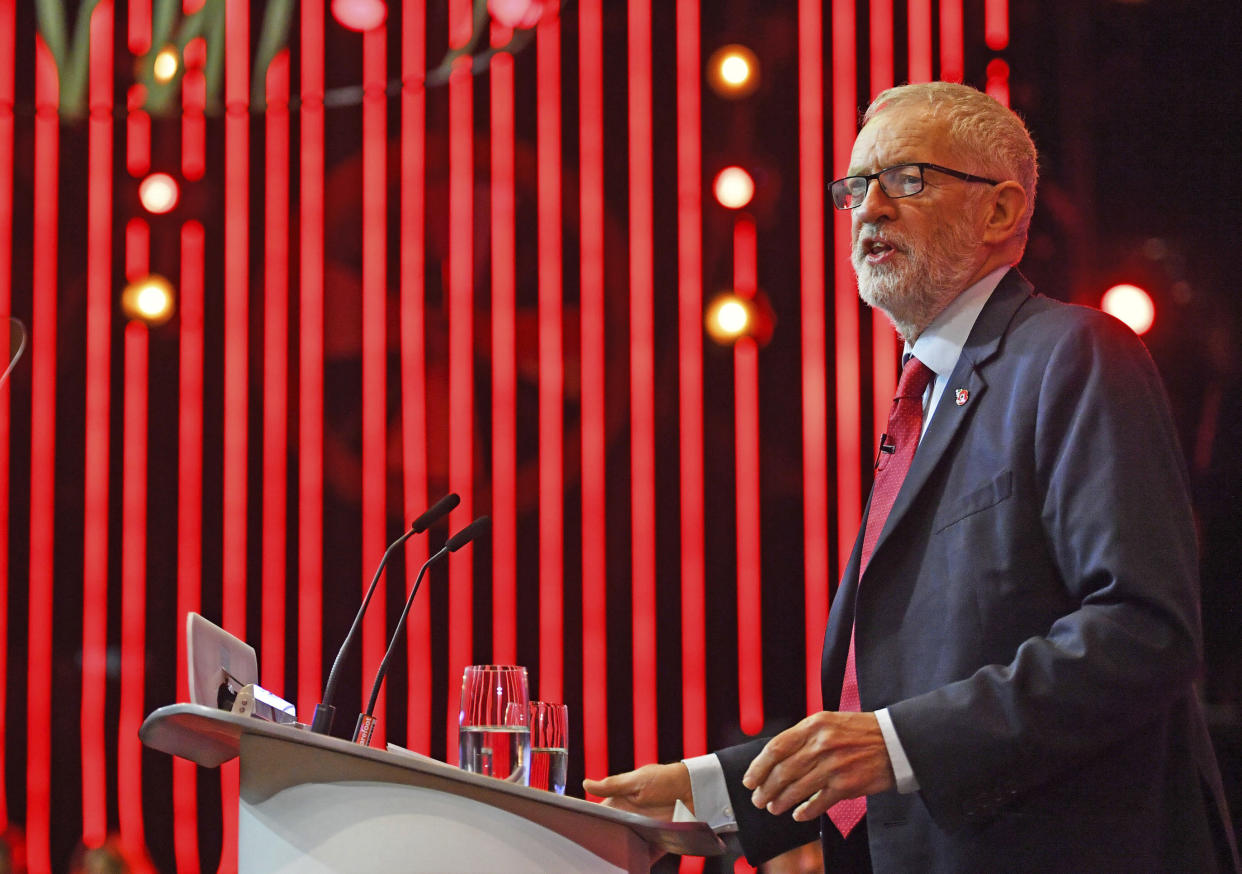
{"x":902,"y":180}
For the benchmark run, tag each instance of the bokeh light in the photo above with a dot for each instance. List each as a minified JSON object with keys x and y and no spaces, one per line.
{"x":149,"y":299}
{"x":359,"y":15}
{"x":733,"y":71}
{"x":732,"y":318}
{"x":1130,"y":304}
{"x":166,"y":65}
{"x":733,"y":187}
{"x":158,"y":193}
{"x":517,"y":14}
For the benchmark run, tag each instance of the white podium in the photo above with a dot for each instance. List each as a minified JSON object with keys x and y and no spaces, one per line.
{"x":311,"y":803}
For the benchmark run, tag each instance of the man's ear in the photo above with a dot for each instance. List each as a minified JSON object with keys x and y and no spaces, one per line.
{"x":1006,"y":206}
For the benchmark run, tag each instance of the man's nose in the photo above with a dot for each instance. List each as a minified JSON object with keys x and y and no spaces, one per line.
{"x":875,"y":204}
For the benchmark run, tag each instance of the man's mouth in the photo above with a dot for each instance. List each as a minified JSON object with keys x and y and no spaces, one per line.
{"x":877,"y":251}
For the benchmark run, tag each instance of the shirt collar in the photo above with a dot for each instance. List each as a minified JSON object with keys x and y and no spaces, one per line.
{"x":941,"y":343}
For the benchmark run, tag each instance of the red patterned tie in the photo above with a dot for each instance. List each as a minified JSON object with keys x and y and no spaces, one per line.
{"x":905,"y":425}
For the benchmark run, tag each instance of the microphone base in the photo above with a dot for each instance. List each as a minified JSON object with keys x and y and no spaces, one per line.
{"x":324,"y":715}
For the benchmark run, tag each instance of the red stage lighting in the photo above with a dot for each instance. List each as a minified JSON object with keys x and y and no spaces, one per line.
{"x":998,"y":80}
{"x":1132,"y":305}
{"x":517,"y":14}
{"x":359,"y":15}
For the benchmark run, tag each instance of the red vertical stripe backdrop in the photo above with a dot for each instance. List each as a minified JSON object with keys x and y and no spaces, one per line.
{"x":748,"y":505}
{"x":275,"y":370}
{"x":815,"y":536}
{"x":642,"y":385}
{"x":310,"y":357}
{"x":460,"y":293}
{"x":8,"y":63}
{"x":139,"y":27}
{"x":551,"y":364}
{"x":96,"y":429}
{"x":189,"y":517}
{"x":134,"y":354}
{"x":919,"y":17}
{"x":193,"y":100}
{"x":690,"y":380}
{"x":996,"y":24}
{"x":374,"y":345}
{"x":592,"y":345}
{"x":880,"y":30}
{"x":413,"y":362}
{"x":236,"y":362}
{"x":883,"y":338}
{"x":952,"y":41}
{"x":845,"y":296}
{"x":42,"y":460}
{"x":133,"y":592}
{"x":138,"y":133}
{"x":504,"y":371}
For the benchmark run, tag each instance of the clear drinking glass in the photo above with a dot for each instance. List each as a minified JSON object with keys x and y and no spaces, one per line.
{"x":549,"y":746}
{"x":493,"y":731}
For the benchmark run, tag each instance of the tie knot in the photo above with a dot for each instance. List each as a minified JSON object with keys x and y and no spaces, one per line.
{"x":914,"y":379}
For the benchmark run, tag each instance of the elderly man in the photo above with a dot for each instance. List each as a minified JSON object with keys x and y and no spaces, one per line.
{"x":1015,"y":637}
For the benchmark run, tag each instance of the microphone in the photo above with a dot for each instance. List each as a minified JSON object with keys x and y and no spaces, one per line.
{"x":325,"y":712}
{"x":366,"y":722}
{"x":439,"y":509}
{"x":887,"y":447}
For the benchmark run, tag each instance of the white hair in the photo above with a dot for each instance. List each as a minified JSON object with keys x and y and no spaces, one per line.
{"x":980,"y":129}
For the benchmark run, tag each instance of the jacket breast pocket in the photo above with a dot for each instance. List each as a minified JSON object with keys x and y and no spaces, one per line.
{"x":988,"y":495}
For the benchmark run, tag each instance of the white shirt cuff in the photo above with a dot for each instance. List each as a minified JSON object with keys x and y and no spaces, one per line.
{"x":710,"y":793}
{"x":906,"y":781}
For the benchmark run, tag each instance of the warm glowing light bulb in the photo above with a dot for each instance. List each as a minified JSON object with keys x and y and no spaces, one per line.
{"x":360,"y":15}
{"x":152,"y":301}
{"x":728,"y":317}
{"x":149,"y":299}
{"x":732,"y":317}
{"x":733,"y":71}
{"x":158,"y":193}
{"x":733,"y":187}
{"x":165,"y":65}
{"x":1130,"y":304}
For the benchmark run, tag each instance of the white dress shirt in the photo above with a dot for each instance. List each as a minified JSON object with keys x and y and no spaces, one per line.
{"x":939,"y":347}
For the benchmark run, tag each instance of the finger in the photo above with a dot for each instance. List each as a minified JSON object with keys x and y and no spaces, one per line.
{"x":792,"y":781}
{"x":614,"y":785}
{"x":815,"y":781}
{"x":787,"y":757}
{"x":813,"y":807}
{"x":774,"y":751}
{"x":818,"y":804}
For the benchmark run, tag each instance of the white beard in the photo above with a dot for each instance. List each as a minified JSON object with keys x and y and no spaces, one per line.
{"x":922,"y":278}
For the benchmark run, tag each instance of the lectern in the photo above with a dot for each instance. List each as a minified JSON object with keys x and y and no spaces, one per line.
{"x":318,"y":804}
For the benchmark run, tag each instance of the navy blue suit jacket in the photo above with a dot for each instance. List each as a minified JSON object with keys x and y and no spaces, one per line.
{"x":1030,"y":619}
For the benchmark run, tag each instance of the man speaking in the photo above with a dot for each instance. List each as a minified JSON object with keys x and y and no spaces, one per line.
{"x":1011,"y":651}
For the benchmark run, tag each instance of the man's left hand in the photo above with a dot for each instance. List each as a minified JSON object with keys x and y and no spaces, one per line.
{"x":824,"y":758}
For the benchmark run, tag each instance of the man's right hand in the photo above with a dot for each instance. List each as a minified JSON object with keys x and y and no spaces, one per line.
{"x":651,"y":790}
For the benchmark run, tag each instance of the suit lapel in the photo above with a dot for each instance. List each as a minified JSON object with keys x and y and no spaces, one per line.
{"x":983,"y":343}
